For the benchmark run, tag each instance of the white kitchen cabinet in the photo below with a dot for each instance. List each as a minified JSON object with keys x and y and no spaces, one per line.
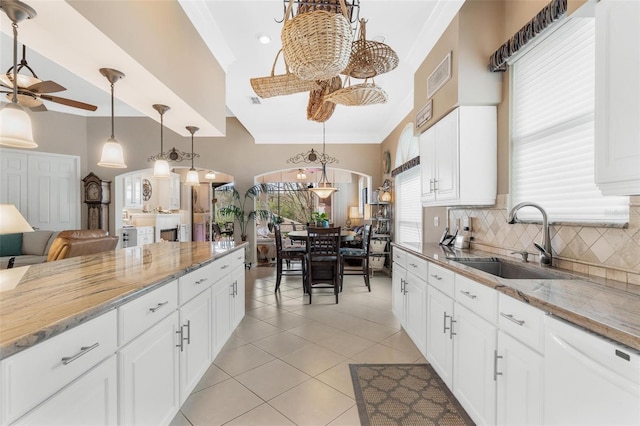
{"x":149,"y":375}
{"x":409,"y":296}
{"x":519,"y":373}
{"x":221,"y":329}
{"x":133,"y":191}
{"x":458,"y":157}
{"x":195,"y":348}
{"x":146,"y":235}
{"x":617,"y":106}
{"x":90,"y":400}
{"x":168,"y":192}
{"x":439,"y":334}
{"x":474,"y":346}
{"x":237,"y":295}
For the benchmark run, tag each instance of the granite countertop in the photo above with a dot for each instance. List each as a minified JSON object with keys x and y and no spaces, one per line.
{"x":582,"y":300}
{"x":40,"y":301}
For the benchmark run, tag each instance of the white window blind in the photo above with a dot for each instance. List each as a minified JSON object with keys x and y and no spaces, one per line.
{"x":552,"y":151}
{"x":408,"y":206}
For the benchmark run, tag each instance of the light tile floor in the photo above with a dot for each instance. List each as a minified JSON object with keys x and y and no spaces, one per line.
{"x":287,"y":363}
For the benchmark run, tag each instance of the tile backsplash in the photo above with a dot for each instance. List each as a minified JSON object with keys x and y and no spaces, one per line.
{"x":603,"y":252}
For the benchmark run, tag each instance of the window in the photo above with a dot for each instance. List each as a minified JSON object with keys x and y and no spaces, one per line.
{"x":552,"y":129}
{"x":408,"y":206}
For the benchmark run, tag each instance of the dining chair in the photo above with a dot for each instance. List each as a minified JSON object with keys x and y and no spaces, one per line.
{"x":286,"y":255}
{"x":323,"y":260}
{"x":357,"y":254}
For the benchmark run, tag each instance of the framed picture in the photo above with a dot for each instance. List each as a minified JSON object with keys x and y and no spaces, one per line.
{"x":424,"y":114}
{"x":439,"y":76}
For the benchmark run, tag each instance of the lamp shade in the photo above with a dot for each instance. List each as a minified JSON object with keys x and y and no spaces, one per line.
{"x":11,"y":221}
{"x":354,"y":212}
{"x":323,"y":190}
{"x":384,"y":196}
{"x":112,"y":155}
{"x":192,"y":178}
{"x":161,"y":169}
{"x":15,"y":127}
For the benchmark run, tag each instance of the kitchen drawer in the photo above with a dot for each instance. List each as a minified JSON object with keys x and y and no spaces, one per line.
{"x":194,"y":283}
{"x":31,"y":376}
{"x":478,"y":298}
{"x":417,"y":266}
{"x":442,"y":279}
{"x":400,"y":257}
{"x":521,"y":321}
{"x":140,"y":314}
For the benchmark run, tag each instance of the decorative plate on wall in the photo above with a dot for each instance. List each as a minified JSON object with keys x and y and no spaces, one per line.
{"x":146,"y":190}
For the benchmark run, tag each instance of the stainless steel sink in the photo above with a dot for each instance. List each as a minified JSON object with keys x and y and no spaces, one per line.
{"x":505,"y":269}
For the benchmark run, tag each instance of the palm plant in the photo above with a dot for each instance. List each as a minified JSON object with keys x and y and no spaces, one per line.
{"x":238,"y":211}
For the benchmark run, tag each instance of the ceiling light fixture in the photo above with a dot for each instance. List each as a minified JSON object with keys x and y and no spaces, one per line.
{"x":192,"y":177}
{"x":161,"y":166}
{"x":324,"y":188}
{"x":301,"y":175}
{"x":264,"y":39}
{"x":16,"y":130}
{"x":112,"y":153}
{"x":211,"y":175}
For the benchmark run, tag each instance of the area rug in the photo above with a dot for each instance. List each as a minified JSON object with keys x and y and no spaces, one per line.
{"x":404,"y":394}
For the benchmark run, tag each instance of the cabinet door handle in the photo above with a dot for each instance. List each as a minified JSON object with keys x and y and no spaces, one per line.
{"x":180,"y":339}
{"x":431,"y":185}
{"x":188,"y":338}
{"x":435,"y":185}
{"x":495,"y":365}
{"x":451,"y":333}
{"x":402,"y":285}
{"x":235,"y":288}
{"x":83,"y":350}
{"x":511,"y":318}
{"x":158,"y":306}
{"x":466,"y":293}
{"x":444,"y":322}
{"x":232,"y":293}
{"x":439,"y":278}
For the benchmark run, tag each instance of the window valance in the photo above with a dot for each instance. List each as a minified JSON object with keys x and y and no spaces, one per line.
{"x":549,"y":14}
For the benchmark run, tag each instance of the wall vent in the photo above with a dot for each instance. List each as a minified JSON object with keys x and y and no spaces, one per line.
{"x":255,"y":100}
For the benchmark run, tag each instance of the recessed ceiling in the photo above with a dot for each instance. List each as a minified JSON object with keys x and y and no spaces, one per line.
{"x":230,"y":28}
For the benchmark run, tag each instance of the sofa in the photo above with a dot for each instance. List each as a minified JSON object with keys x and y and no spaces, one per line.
{"x":28,"y":248}
{"x":80,"y":242}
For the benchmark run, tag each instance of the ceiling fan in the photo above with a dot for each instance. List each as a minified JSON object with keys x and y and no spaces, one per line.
{"x":32,"y":91}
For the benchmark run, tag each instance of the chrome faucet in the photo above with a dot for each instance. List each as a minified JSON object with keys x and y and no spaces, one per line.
{"x":546,"y":255}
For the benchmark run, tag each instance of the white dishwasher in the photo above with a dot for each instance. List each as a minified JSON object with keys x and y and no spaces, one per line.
{"x":589,"y":379}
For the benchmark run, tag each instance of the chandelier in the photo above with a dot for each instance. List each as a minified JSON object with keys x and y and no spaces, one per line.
{"x":324,"y":188}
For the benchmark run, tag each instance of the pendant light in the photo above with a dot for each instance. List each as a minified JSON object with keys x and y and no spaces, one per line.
{"x":16,"y":130}
{"x":161,"y":166}
{"x":324,"y":188}
{"x":192,"y":177}
{"x":112,"y":154}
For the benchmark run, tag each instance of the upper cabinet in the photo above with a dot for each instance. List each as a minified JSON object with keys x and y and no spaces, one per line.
{"x":617,"y":168}
{"x":458,"y":157}
{"x":133,"y":191}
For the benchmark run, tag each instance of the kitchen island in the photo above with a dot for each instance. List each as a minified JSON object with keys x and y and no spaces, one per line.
{"x":124,"y":336}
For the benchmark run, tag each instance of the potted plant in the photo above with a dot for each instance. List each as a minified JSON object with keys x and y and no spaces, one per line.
{"x":239,"y":211}
{"x":321,"y":219}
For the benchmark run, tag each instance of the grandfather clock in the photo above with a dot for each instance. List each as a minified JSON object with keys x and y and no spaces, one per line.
{"x":97,"y":195}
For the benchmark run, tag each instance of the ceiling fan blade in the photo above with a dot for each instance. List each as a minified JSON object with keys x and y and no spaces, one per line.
{"x":68,"y":102}
{"x":48,"y":86}
{"x":39,"y":108}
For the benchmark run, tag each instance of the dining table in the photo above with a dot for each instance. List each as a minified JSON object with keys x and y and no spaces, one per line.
{"x":345,"y":235}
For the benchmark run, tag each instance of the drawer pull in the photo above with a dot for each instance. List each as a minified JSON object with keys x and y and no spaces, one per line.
{"x":413,"y":265}
{"x":511,"y":318}
{"x":466,"y":293}
{"x":200,"y":281}
{"x":160,"y":305}
{"x":83,"y":350}
{"x":224,"y":266}
{"x":436,"y":277}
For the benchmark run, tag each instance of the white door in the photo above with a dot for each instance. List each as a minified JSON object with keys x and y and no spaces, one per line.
{"x":13,"y":180}
{"x":428,"y":164}
{"x":474,"y":346}
{"x":221,"y":328}
{"x":149,"y":370}
{"x":416,"y":311}
{"x":519,"y":372}
{"x":195,"y":355}
{"x":447,"y":157}
{"x":54,"y":192}
{"x":397,"y":293}
{"x":439,"y":337}
{"x":90,"y":400}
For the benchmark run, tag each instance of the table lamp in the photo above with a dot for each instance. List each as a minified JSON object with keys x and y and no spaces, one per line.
{"x":12,"y":222}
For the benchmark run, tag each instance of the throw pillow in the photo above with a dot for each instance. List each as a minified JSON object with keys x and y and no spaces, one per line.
{"x":10,"y":245}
